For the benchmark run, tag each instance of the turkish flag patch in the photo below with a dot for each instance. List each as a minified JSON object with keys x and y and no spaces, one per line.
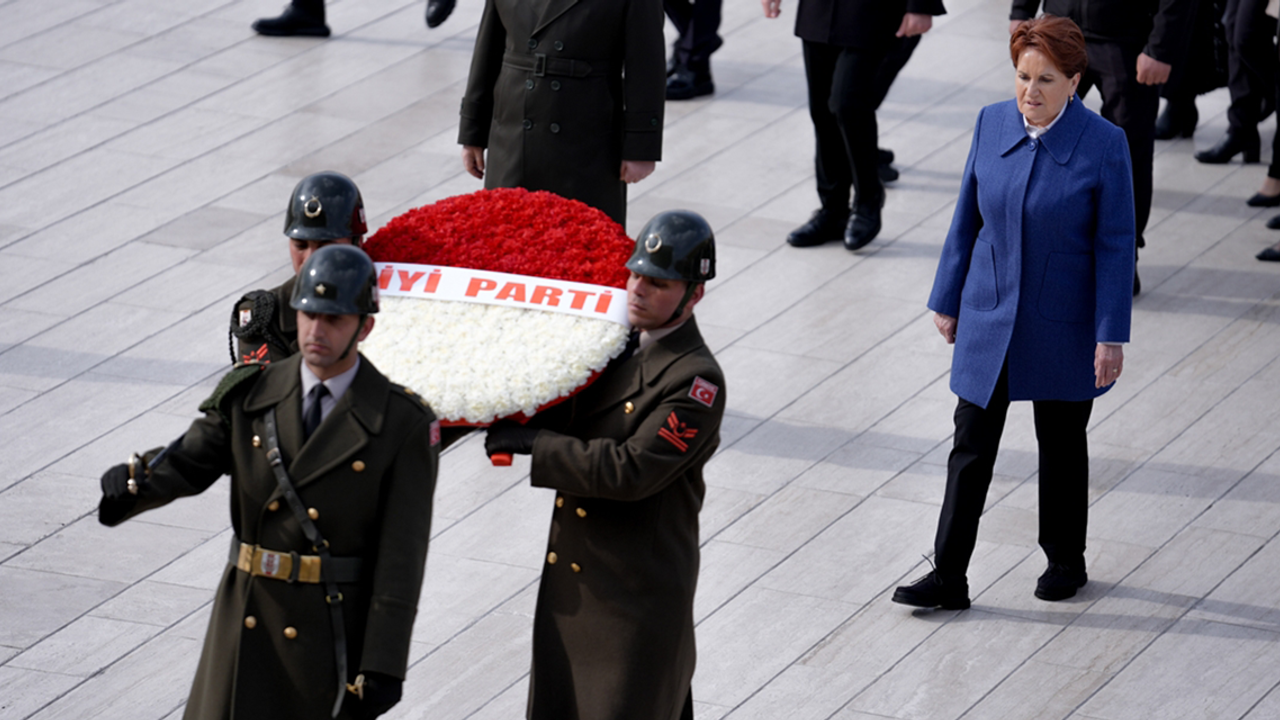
{"x":704,"y":391}
{"x":435,"y":432}
{"x":677,"y":433}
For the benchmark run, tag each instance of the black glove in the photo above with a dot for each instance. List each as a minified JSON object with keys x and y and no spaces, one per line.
{"x":381,"y":693}
{"x":509,"y":436}
{"x":115,"y":482}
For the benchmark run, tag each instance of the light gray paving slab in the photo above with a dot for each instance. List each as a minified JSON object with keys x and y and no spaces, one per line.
{"x":788,"y":519}
{"x":26,"y":691}
{"x":859,"y":467}
{"x":84,"y":646}
{"x":76,"y":289}
{"x":153,"y":603}
{"x":44,"y":503}
{"x":524,"y":512}
{"x":772,"y":455}
{"x":1039,"y":690}
{"x":204,"y":565}
{"x":88,"y":233}
{"x":137,"y":549}
{"x":1245,"y":597}
{"x":457,"y":592}
{"x":726,"y":570}
{"x":1165,"y":500}
{"x":63,"y":598}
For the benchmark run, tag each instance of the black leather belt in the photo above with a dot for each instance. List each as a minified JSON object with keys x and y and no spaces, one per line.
{"x":541,"y":65}
{"x":292,"y":567}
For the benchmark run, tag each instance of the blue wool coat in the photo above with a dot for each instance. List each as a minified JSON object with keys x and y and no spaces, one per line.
{"x":1038,"y":264}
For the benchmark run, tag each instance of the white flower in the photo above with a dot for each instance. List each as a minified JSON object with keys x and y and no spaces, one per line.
{"x":476,"y":363}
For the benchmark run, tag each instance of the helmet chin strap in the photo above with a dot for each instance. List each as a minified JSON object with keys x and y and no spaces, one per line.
{"x":688,"y":293}
{"x":356,"y":334}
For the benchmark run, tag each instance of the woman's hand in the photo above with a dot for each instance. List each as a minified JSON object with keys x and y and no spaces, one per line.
{"x":947,"y":326}
{"x":633,"y":171}
{"x":473,"y":160}
{"x":914,"y":24}
{"x":1108,"y":363}
{"x":771,"y":7}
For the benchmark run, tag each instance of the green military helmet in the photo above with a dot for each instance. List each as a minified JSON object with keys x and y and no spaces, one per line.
{"x":324,"y":207}
{"x":675,"y":245}
{"x":336,"y":280}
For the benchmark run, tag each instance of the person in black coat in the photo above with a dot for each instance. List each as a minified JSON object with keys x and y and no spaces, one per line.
{"x":1132,"y":45}
{"x":845,"y":44}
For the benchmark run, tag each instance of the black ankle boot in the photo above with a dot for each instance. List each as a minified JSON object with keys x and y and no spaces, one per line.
{"x":1178,"y":119}
{"x":1232,"y":144}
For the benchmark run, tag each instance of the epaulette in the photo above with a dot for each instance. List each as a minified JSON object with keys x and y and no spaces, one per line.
{"x":240,"y":374}
{"x":413,"y":396}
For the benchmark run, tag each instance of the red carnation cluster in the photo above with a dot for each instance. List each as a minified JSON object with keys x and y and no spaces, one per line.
{"x":510,"y":230}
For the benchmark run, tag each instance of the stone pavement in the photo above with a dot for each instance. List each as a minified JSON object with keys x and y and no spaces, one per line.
{"x":147,"y":148}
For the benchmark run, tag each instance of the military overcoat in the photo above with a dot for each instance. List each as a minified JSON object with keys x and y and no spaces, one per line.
{"x":562,"y":91}
{"x":369,"y":472}
{"x":613,"y":630}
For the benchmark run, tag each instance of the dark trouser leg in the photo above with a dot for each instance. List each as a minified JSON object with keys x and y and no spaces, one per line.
{"x":969,"y":468}
{"x":1133,"y":107}
{"x":698,"y":24}
{"x":680,"y":12}
{"x":852,"y":103}
{"x":894,"y":60}
{"x":834,"y":174}
{"x":687,"y":712}
{"x":1251,"y":63}
{"x":1064,"y":478}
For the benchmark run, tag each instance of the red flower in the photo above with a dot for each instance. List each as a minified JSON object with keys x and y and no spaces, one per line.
{"x":510,"y":230}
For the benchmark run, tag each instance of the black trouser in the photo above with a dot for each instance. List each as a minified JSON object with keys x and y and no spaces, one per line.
{"x":698,"y":24}
{"x":842,"y":87}
{"x":1251,"y":63}
{"x":894,"y":60}
{"x":1132,"y":106}
{"x":1064,"y":478}
{"x":314,"y":8}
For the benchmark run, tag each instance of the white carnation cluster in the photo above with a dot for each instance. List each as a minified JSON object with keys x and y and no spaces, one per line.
{"x":477,"y":363}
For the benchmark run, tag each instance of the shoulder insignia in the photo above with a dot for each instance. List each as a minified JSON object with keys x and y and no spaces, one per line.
{"x":677,"y":433}
{"x":239,"y":375}
{"x":261,"y":356}
{"x":704,"y":391}
{"x":435,"y":432}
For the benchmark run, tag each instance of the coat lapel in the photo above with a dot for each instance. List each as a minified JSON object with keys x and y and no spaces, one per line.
{"x":358,"y":414}
{"x":281,"y":387}
{"x":551,"y":11}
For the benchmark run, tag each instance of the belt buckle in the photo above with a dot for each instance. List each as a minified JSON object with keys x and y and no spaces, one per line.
{"x":539,"y":64}
{"x":275,"y":564}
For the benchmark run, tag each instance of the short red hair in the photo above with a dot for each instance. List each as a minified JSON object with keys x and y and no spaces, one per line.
{"x":1058,"y":38}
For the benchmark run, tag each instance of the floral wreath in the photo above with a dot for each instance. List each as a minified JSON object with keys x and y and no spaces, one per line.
{"x":499,"y":346}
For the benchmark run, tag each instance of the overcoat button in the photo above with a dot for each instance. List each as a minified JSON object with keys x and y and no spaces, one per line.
{"x":313,"y":513}
{"x":528,"y":84}
{"x":559,"y":502}
{"x":653,"y":122}
{"x":250,"y":622}
{"x":555,"y":84}
{"x":290,"y":633}
{"x":555,"y":127}
{"x":628,"y":408}
{"x":274,"y":505}
{"x":582,"y":513}
{"x":528,"y":124}
{"x":358,"y":466}
{"x":576,"y":567}
{"x":532,"y":43}
{"x":408,"y":391}
{"x":559,"y":45}
{"x":551,"y":558}
{"x":257,"y":441}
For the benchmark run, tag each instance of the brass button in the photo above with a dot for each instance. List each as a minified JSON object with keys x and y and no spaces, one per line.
{"x":551,"y":558}
{"x":290,"y":633}
{"x":250,"y":622}
{"x":257,"y":441}
{"x":274,"y":505}
{"x":313,"y":513}
{"x":576,"y":567}
{"x":628,"y":408}
{"x":408,"y":391}
{"x":358,"y":466}
{"x":559,"y":502}
{"x":582,"y":513}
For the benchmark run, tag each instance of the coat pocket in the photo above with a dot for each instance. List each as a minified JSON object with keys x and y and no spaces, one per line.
{"x":980,"y":288}
{"x":1067,"y":294}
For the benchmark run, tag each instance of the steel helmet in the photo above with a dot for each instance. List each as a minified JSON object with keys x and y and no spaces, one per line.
{"x":676,"y":245}
{"x":325,"y":206}
{"x":336,"y":280}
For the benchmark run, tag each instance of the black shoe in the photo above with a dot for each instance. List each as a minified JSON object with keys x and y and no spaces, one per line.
{"x":824,"y":226}
{"x":931,"y":591}
{"x":686,"y":83}
{"x":1232,"y":144}
{"x":1060,"y":581}
{"x":1274,"y":223}
{"x":1270,"y":254}
{"x":1177,"y":121}
{"x":438,"y":11}
{"x":888,"y":173}
{"x":864,"y":225}
{"x":1260,"y":200}
{"x":885,"y":156}
{"x":292,"y":22}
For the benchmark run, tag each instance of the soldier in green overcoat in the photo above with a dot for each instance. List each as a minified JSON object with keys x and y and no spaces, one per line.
{"x":315,"y":609}
{"x":613,"y":629}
